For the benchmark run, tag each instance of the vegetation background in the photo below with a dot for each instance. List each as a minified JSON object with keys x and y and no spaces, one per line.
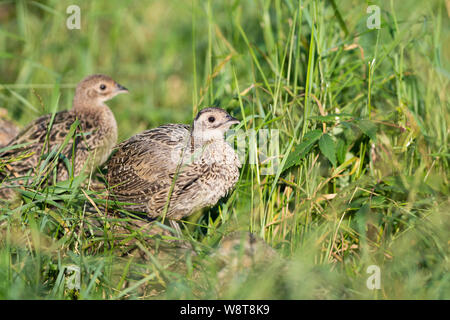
{"x":362,"y":116}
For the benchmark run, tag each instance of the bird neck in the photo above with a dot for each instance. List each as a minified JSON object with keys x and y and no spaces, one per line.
{"x":202,"y":136}
{"x":200,"y":140}
{"x":83,"y":104}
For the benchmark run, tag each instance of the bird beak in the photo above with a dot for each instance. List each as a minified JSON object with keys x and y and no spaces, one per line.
{"x":232,"y":120}
{"x":121,"y":88}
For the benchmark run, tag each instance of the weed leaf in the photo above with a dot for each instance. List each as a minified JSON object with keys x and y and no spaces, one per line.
{"x":328,"y":148}
{"x":302,"y":148}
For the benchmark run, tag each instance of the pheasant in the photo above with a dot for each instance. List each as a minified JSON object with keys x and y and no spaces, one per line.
{"x":193,"y":166}
{"x":91,"y":145}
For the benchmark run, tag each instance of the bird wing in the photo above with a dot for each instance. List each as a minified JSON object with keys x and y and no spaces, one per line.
{"x":145,"y":164}
{"x":36,"y":143}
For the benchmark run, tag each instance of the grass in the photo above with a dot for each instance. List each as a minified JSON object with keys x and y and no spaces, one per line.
{"x":362,"y":118}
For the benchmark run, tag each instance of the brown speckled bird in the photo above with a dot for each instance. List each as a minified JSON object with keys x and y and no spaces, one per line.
{"x":194,"y":166}
{"x":240,"y":252}
{"x":96,"y":133}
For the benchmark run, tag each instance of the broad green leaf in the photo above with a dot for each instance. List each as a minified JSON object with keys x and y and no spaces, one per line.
{"x":341,"y":150}
{"x":302,"y":148}
{"x":312,"y":135}
{"x":368,"y":128}
{"x":328,"y":148}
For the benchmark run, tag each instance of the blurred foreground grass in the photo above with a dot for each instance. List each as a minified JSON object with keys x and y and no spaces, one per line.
{"x":362,"y":117}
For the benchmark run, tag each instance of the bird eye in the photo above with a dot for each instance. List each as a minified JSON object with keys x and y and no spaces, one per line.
{"x":102,"y":87}
{"x":211,"y":119}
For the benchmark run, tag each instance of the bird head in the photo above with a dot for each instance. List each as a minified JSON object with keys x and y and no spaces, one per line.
{"x":212,"y":123}
{"x":96,"y":89}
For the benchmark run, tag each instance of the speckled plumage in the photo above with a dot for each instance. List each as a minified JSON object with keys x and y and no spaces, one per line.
{"x":96,"y":133}
{"x":144,"y":167}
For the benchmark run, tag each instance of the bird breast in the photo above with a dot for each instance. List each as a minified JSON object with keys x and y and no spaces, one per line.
{"x":109,"y":136}
{"x":101,"y":123}
{"x":220,"y":166}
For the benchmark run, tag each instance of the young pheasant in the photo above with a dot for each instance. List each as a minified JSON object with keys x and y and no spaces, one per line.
{"x":192,"y":166}
{"x":96,"y":133}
